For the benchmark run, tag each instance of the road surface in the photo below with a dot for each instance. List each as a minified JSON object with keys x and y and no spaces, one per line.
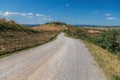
{"x":62,"y":59}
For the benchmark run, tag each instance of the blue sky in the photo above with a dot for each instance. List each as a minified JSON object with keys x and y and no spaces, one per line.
{"x":93,"y":12}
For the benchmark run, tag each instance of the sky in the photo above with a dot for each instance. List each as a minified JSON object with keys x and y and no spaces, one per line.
{"x":85,"y":12}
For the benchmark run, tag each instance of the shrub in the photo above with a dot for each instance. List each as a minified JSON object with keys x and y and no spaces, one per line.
{"x":109,"y":40}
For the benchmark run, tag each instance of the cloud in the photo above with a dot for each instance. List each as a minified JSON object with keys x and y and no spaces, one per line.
{"x":108,"y":14}
{"x":67,"y":5}
{"x":7,"y":13}
{"x":112,"y":18}
{"x":23,"y":14}
{"x":95,"y":12}
{"x":10,"y":13}
{"x":24,"y":18}
{"x":30,"y":14}
{"x":39,"y":15}
{"x":109,"y":17}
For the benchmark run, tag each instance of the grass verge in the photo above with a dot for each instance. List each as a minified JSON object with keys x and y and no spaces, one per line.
{"x":109,"y":62}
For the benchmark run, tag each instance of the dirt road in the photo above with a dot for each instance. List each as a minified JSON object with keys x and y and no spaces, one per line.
{"x":62,"y":59}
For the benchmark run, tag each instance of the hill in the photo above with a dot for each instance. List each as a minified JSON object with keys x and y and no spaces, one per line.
{"x":51,"y":26}
{"x":15,"y":37}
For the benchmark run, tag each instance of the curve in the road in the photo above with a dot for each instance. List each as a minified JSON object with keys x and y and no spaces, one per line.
{"x":62,"y":59}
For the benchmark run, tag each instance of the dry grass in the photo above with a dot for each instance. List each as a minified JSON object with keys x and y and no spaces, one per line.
{"x":14,"y":37}
{"x":48,"y":28}
{"x":11,"y":41}
{"x":94,"y":31}
{"x":106,"y":60}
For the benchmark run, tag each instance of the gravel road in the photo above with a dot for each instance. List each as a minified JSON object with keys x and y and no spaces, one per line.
{"x":62,"y":59}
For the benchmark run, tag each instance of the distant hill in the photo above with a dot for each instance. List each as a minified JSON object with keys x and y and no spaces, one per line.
{"x":80,"y":25}
{"x":52,"y":26}
{"x":30,"y":25}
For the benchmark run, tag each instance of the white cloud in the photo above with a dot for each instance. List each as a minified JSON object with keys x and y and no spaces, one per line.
{"x":30,"y":14}
{"x":95,"y":12}
{"x":108,"y":14}
{"x":26,"y":17}
{"x":10,"y":13}
{"x":39,"y":15}
{"x":23,"y":14}
{"x":112,"y":18}
{"x":7,"y":13}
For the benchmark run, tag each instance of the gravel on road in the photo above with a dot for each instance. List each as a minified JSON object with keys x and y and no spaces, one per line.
{"x":62,"y":59}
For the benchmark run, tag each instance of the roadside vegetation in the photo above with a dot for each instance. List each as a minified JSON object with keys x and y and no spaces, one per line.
{"x":104,"y":45}
{"x":14,"y":37}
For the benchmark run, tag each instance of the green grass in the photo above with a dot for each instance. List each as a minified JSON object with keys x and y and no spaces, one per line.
{"x":115,"y":77}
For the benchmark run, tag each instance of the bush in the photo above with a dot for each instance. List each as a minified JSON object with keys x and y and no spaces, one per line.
{"x":109,"y":40}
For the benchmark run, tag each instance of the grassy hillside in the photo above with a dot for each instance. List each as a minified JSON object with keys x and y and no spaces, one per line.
{"x":104,"y":45}
{"x":15,"y":37}
{"x":11,"y":25}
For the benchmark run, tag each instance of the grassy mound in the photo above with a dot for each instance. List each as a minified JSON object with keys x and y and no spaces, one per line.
{"x":14,"y":37}
{"x":12,"y":25}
